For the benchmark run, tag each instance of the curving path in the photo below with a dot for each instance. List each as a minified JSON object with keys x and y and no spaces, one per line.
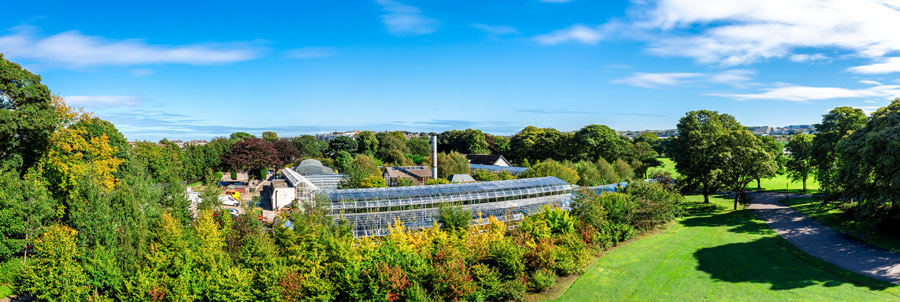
{"x":824,"y":243}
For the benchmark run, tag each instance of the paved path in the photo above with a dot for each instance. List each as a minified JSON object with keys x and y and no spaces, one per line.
{"x":824,"y":243}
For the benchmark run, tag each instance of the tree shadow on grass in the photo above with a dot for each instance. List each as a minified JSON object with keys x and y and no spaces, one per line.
{"x":740,"y":221}
{"x":774,"y":261}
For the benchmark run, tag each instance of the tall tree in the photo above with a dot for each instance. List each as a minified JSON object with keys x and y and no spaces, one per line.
{"x":552,"y":168}
{"x":366,"y":143}
{"x":287,"y":153}
{"x":743,"y":158}
{"x":452,"y":163}
{"x":241,"y":135}
{"x":252,"y":154}
{"x":694,"y":150}
{"x":777,"y":150}
{"x":388,"y":142}
{"x":837,"y":124}
{"x":27,"y":117}
{"x":868,"y":164}
{"x":419,"y":146}
{"x":341,"y":143}
{"x":799,"y":163}
{"x":96,"y":127}
{"x":25,"y":208}
{"x":598,"y":141}
{"x":309,"y":146}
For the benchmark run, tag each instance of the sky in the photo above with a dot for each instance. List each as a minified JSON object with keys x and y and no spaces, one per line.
{"x":196,"y":70}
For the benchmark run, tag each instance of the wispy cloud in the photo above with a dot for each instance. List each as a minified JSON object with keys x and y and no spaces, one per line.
{"x":497,"y":30}
{"x":74,"y":49}
{"x":796,"y":93}
{"x":405,"y":20}
{"x":309,"y":52}
{"x":96,"y":101}
{"x":577,"y":33}
{"x":803,"y":57}
{"x":888,"y":65}
{"x":731,"y":77}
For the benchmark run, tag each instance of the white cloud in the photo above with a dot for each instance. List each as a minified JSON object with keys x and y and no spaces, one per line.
{"x":808,"y":93}
{"x":575,"y":33}
{"x":404,"y":20}
{"x":655,"y":80}
{"x":75,"y":49}
{"x":733,"y":77}
{"x":496,"y":29}
{"x":309,"y":52}
{"x":888,"y":65}
{"x":732,"y":32}
{"x":102,"y":100}
{"x":802,"y":57}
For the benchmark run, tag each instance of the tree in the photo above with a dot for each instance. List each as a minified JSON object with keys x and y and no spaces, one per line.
{"x":342,"y":160}
{"x":57,"y":274}
{"x":309,"y":146}
{"x":251,"y":154}
{"x":552,"y":168}
{"x":366,"y":143}
{"x":623,"y":170}
{"x":452,"y":163}
{"x":388,"y":142}
{"x":534,"y":144}
{"x":270,"y":136}
{"x":743,"y":158}
{"x":497,"y":144}
{"x":470,"y":141}
{"x":836,"y":125}
{"x":373,"y":181}
{"x":241,"y":135}
{"x":287,"y":153}
{"x":868,"y":164}
{"x":362,"y":166}
{"x":799,"y":164}
{"x":589,"y":174}
{"x":164,"y":161}
{"x":95,"y":128}
{"x":777,"y":150}
{"x":419,"y":146}
{"x":598,"y":141}
{"x":341,"y":143}
{"x":643,"y":153}
{"x":694,"y":150}
{"x":28,"y":117}
{"x":454,"y":218}
{"x":25,"y":208}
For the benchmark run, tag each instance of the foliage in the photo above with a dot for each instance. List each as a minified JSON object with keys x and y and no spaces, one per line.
{"x":251,"y":154}
{"x":387,"y":143}
{"x":341,"y":143}
{"x":836,"y":125}
{"x":452,"y":163}
{"x":542,"y":279}
{"x":287,"y":152}
{"x":309,"y":146}
{"x":56,"y":275}
{"x":552,"y":168}
{"x":405,"y":182}
{"x":454,"y":218}
{"x":270,"y":136}
{"x":743,"y":158}
{"x":623,"y":170}
{"x":485,"y":175}
{"x":366,"y":143}
{"x":373,"y":181}
{"x":469,"y":141}
{"x":237,"y":136}
{"x":695,"y":149}
{"x":28,"y":118}
{"x":799,"y":164}
{"x":361,"y":167}
{"x":439,"y":181}
{"x":598,"y":141}
{"x":342,"y":160}
{"x":419,"y":146}
{"x":96,"y":127}
{"x":25,"y":208}
{"x":535,"y":144}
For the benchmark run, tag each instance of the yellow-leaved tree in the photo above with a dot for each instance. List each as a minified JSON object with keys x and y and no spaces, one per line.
{"x":74,"y":157}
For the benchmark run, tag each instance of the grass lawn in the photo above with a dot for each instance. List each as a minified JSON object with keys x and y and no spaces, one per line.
{"x":833,"y":216}
{"x":720,"y":255}
{"x":777,"y":183}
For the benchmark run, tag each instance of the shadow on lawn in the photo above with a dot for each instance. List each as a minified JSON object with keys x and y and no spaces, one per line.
{"x":769,"y":259}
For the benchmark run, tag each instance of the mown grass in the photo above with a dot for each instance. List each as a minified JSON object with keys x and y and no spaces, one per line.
{"x":779,"y":183}
{"x":832,"y":215}
{"x":720,"y":255}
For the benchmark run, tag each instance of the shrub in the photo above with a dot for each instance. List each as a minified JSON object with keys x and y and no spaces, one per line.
{"x":437,"y":181}
{"x":507,"y":257}
{"x":542,"y":279}
{"x":454,"y":218}
{"x":624,"y":170}
{"x":571,"y":255}
{"x":505,"y":175}
{"x":587,"y":207}
{"x":654,"y":204}
{"x":552,"y":168}
{"x":405,"y":182}
{"x":484,"y":175}
{"x":373,"y":181}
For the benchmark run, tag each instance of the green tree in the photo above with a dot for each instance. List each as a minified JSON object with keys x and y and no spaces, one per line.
{"x":799,"y":164}
{"x":452,"y":163}
{"x":342,"y":160}
{"x":373,"y":181}
{"x":868,"y":163}
{"x":589,"y":174}
{"x":484,"y":175}
{"x":25,"y":208}
{"x":163,"y":161}
{"x":309,"y":146}
{"x":623,"y":170}
{"x":551,"y":168}
{"x":534,"y":144}
{"x":56,"y":275}
{"x":743,"y":158}
{"x":454,"y":218}
{"x":836,"y":125}
{"x":644,"y":154}
{"x":419,"y":146}
{"x":694,"y":150}
{"x":95,"y":128}
{"x":388,"y":142}
{"x":28,"y":117}
{"x":777,"y":150}
{"x":241,"y":135}
{"x":341,"y":143}
{"x":270,"y":136}
{"x":598,"y":141}
{"x":366,"y":143}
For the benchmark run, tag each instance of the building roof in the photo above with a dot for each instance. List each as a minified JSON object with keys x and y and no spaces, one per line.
{"x":461,"y":178}
{"x":486,"y":159}
{"x":312,"y":167}
{"x":241,"y":177}
{"x":434,"y":190}
{"x":415,"y":172}
{"x":497,"y":169}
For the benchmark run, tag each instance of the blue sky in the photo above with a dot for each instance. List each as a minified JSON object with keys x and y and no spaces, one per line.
{"x":199,"y":70}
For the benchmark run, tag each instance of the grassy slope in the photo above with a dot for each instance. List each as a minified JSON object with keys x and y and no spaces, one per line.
{"x":776,"y":183}
{"x":829,"y":214}
{"x":720,"y":255}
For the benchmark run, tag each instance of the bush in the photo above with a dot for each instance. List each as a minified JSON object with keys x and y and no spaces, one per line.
{"x":507,"y":257}
{"x":484,"y":175}
{"x":405,"y":182}
{"x":437,"y":181}
{"x":624,"y":170}
{"x":542,"y":279}
{"x":454,"y":218}
{"x":505,"y":175}
{"x":571,"y":255}
{"x":373,"y":181}
{"x":552,"y":168}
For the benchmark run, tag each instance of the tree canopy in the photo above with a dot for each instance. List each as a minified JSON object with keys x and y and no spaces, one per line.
{"x":28,"y":117}
{"x":694,"y":150}
{"x":799,"y":164}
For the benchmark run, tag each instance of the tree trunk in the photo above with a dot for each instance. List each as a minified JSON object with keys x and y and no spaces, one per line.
{"x":804,"y":185}
{"x":25,"y":255}
{"x":736,"y":201}
{"x":705,"y":194}
{"x":758,"y":184}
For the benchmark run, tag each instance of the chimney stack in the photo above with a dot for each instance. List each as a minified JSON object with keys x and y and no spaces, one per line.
{"x":434,"y":173}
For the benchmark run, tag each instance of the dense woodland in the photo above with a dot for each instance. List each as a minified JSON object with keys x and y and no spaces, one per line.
{"x":85,"y":216}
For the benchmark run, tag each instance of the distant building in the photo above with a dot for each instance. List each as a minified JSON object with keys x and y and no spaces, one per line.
{"x":282,"y":194}
{"x":418,"y":174}
{"x":330,"y":136}
{"x":488,"y":159}
{"x":457,"y":178}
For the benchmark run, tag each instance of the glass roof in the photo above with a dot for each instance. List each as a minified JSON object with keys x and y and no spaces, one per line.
{"x":312,"y":167}
{"x":492,"y":168}
{"x":430,"y":190}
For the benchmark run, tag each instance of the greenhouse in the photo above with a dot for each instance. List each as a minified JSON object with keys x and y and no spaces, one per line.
{"x":372,"y":211}
{"x":497,"y":169}
{"x":321,"y":176}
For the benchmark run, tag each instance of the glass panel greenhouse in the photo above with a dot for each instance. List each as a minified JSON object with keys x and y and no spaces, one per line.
{"x":372,"y":211}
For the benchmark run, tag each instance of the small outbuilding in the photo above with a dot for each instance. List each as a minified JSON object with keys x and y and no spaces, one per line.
{"x":457,"y":178}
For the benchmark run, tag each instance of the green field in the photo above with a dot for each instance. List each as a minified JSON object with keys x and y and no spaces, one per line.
{"x":777,"y":183}
{"x":720,"y":255}
{"x":833,"y":216}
